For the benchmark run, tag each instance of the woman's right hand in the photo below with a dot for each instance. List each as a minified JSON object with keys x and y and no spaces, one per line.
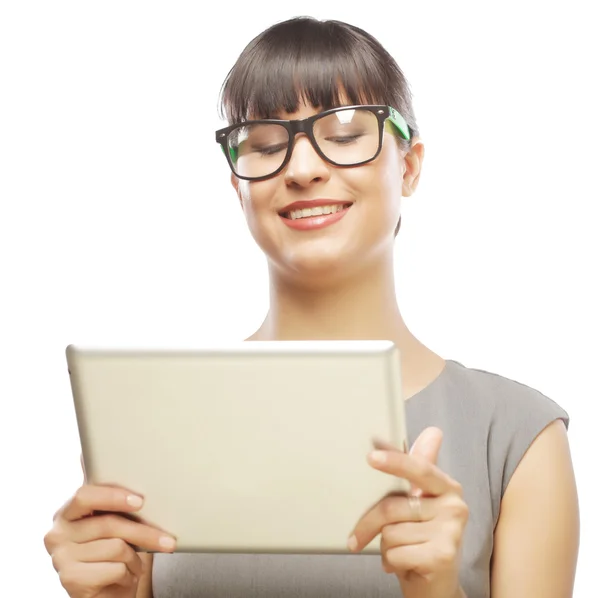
{"x":93,"y":553}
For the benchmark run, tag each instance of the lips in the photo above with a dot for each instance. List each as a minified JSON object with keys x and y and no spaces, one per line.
{"x":314,"y":215}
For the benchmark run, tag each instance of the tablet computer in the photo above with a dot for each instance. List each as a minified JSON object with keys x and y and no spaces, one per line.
{"x":258,"y":446}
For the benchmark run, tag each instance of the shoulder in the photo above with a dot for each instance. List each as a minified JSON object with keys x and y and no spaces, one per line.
{"x":516,"y":414}
{"x":505,"y":398}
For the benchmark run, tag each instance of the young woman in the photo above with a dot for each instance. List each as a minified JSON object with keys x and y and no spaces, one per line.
{"x":322,"y":145}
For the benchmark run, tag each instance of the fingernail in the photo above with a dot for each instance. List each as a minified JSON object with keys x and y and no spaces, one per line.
{"x":167,"y":543}
{"x":378,"y":456}
{"x":352,"y":543}
{"x":135,"y":501}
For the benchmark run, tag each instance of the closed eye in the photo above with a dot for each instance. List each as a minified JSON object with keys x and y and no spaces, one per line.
{"x":270,"y":150}
{"x":344,"y":140}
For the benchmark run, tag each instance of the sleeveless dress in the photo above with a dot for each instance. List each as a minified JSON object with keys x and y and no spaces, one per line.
{"x":488,"y":422}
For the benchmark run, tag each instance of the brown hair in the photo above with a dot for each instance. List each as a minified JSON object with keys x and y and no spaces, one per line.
{"x":319,"y":62}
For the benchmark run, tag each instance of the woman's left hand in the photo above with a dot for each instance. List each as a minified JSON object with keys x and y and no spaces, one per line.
{"x":421,"y":534}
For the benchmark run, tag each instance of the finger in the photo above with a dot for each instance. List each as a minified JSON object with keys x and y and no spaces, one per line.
{"x":389,"y":511}
{"x":137,"y":534}
{"x":422,"y":559}
{"x":88,"y":499}
{"x":405,"y":534}
{"x":112,"y":550}
{"x":422,"y":474}
{"x":95,"y":576}
{"x":384,"y":445}
{"x":428,"y":444}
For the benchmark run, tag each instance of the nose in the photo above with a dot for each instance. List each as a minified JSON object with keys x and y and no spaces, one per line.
{"x":305,"y":165}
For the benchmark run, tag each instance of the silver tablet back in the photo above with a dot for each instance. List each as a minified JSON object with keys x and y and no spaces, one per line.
{"x":251,"y":447}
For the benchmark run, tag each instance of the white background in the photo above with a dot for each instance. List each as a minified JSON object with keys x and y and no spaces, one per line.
{"x":118,"y":223}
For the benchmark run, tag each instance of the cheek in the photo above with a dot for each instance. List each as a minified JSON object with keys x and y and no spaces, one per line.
{"x":255,"y":199}
{"x":257,"y":203}
{"x":391,"y":187}
{"x":378,"y":186}
{"x":391,"y":169}
{"x":244,"y":193}
{"x":389,"y":184}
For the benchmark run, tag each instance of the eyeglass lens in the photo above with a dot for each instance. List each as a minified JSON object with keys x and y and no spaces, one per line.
{"x":345,"y":137}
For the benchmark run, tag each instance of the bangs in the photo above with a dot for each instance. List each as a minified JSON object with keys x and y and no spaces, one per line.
{"x":322,"y":64}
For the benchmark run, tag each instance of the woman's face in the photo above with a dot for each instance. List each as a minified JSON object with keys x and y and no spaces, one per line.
{"x":365,"y":230}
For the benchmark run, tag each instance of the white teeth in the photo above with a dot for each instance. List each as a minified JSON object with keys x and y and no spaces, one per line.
{"x":319,"y":211}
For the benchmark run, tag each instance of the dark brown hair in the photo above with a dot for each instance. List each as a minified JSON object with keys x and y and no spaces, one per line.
{"x":324,"y":63}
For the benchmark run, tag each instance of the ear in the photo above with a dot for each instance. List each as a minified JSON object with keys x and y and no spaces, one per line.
{"x":413,"y":161}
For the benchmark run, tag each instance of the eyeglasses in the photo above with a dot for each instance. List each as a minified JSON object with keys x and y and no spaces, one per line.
{"x":344,"y":136}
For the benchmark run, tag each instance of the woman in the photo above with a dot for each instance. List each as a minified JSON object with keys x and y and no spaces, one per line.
{"x":494,"y":508}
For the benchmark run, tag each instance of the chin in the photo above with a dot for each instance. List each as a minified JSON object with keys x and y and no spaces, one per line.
{"x":312,"y":269}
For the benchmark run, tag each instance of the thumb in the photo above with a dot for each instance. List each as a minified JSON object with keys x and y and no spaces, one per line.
{"x":428,"y":444}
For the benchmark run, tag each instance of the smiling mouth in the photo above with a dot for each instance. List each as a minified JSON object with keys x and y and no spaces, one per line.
{"x":312,"y":212}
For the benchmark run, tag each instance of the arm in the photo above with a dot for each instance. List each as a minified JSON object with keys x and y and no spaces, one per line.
{"x":537,"y":536}
{"x":144,"y":589}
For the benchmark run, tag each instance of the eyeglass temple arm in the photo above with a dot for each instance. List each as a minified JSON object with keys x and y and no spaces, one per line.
{"x":398,"y":121}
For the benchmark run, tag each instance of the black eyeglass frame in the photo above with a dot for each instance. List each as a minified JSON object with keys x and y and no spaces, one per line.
{"x":305,"y":126}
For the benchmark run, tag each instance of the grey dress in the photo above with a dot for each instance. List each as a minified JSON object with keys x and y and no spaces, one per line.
{"x":488,"y":422}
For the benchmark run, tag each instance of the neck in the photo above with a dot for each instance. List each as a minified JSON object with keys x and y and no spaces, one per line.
{"x":363,"y":306}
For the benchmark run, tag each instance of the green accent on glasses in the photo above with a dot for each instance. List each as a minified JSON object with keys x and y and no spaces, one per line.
{"x":398,"y":121}
{"x":338,"y":155}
